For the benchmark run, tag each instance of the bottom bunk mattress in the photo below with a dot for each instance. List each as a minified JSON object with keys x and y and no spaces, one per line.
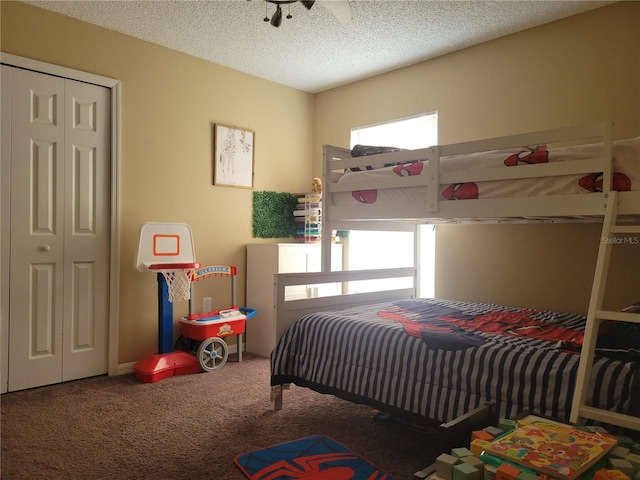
{"x":436,"y":359}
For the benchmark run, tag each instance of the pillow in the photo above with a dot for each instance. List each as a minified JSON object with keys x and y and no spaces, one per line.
{"x":633,"y":308}
{"x":620,"y":340}
{"x":364,"y":150}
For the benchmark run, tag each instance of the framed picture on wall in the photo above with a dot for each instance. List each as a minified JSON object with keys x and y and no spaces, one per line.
{"x":233,"y":150}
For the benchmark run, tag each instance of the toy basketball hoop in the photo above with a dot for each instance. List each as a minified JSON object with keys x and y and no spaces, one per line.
{"x":178,"y":277}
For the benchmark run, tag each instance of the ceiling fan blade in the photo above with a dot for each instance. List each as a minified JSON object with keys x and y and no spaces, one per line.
{"x":276,"y":19}
{"x":340,"y":8}
{"x":308,"y":3}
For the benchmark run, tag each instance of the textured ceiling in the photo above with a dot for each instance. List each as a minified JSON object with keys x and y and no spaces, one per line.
{"x":314,"y":51}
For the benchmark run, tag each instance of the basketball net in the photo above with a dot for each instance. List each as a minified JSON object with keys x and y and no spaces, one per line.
{"x":178,"y":283}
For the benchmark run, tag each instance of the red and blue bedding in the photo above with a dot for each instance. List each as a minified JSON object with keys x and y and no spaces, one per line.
{"x":436,"y":359}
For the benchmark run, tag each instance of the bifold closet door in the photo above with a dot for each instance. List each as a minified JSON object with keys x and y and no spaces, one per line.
{"x":60,"y":222}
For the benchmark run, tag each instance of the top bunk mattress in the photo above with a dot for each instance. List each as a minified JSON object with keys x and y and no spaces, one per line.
{"x":626,"y":175}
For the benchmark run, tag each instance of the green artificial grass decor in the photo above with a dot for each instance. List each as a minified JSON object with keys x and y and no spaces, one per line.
{"x":273,"y":214}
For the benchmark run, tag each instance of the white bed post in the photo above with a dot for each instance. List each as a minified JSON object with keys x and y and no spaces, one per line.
{"x":325,"y":232}
{"x":607,"y":154}
{"x":276,"y":397}
{"x":417,"y":257}
{"x":433,"y":179}
{"x":325,"y":247}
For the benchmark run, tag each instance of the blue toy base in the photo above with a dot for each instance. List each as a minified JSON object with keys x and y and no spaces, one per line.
{"x":159,"y":366}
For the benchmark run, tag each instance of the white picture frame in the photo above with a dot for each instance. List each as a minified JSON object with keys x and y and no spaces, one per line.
{"x":233,"y":157}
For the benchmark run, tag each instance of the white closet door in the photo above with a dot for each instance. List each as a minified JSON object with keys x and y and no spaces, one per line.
{"x":37,"y":230}
{"x":59,"y":249}
{"x":86,"y":231}
{"x":5,"y":215}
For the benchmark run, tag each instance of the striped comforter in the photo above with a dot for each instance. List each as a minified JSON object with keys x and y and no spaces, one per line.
{"x":436,"y":359}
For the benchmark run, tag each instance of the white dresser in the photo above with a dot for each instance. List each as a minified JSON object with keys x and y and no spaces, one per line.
{"x":264,"y":260}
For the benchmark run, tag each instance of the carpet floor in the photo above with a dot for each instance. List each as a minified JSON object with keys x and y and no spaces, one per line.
{"x":185,"y":427}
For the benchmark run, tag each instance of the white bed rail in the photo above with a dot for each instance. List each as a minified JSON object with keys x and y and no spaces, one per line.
{"x":338,"y":159}
{"x":288,"y":311}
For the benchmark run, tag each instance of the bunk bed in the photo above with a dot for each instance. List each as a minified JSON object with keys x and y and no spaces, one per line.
{"x":430,"y":359}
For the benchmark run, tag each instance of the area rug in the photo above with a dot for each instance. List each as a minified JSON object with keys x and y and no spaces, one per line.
{"x":318,"y":457}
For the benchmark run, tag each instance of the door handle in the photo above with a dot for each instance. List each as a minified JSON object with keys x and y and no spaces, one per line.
{"x":44,"y":248}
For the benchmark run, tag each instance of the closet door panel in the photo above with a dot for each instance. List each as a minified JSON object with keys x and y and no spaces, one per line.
{"x":5,"y":216}
{"x":37,"y":230}
{"x":87,"y":224}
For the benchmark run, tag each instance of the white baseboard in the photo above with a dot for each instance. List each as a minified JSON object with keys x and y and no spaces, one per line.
{"x":124,"y":368}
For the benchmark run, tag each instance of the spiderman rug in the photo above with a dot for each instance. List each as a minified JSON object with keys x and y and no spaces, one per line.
{"x":316,"y":457}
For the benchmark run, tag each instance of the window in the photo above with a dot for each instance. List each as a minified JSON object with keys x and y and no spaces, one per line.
{"x":418,"y":131}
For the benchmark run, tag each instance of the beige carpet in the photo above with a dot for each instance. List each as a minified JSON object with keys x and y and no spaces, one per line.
{"x":189,"y":427}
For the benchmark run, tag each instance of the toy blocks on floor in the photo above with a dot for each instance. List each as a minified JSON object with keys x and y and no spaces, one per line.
{"x":626,"y":442}
{"x":461,"y":452}
{"x":444,"y":466}
{"x":634,"y":459}
{"x":619,"y":452}
{"x":474,"y":462}
{"x":482,"y":462}
{"x":481,"y":435}
{"x":478,"y":446}
{"x":604,"y":474}
{"x":622,"y":465}
{"x":526,"y":476}
{"x":464,"y":471}
{"x":506,"y":424}
{"x":507,"y":472}
{"x":493,"y":431}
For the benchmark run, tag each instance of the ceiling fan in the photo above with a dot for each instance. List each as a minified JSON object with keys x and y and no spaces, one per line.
{"x":340,"y":8}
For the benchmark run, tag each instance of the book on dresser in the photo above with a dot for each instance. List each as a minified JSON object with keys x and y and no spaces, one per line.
{"x":559,"y":450}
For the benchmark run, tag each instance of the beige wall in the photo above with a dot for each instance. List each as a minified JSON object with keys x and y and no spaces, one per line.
{"x":578,"y":70}
{"x":170,"y":102}
{"x":575,"y":71}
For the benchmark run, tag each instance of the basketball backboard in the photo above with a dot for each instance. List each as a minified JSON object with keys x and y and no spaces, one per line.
{"x":162,"y":243}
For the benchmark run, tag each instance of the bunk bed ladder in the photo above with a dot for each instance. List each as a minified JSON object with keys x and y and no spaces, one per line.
{"x":596,"y":314}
